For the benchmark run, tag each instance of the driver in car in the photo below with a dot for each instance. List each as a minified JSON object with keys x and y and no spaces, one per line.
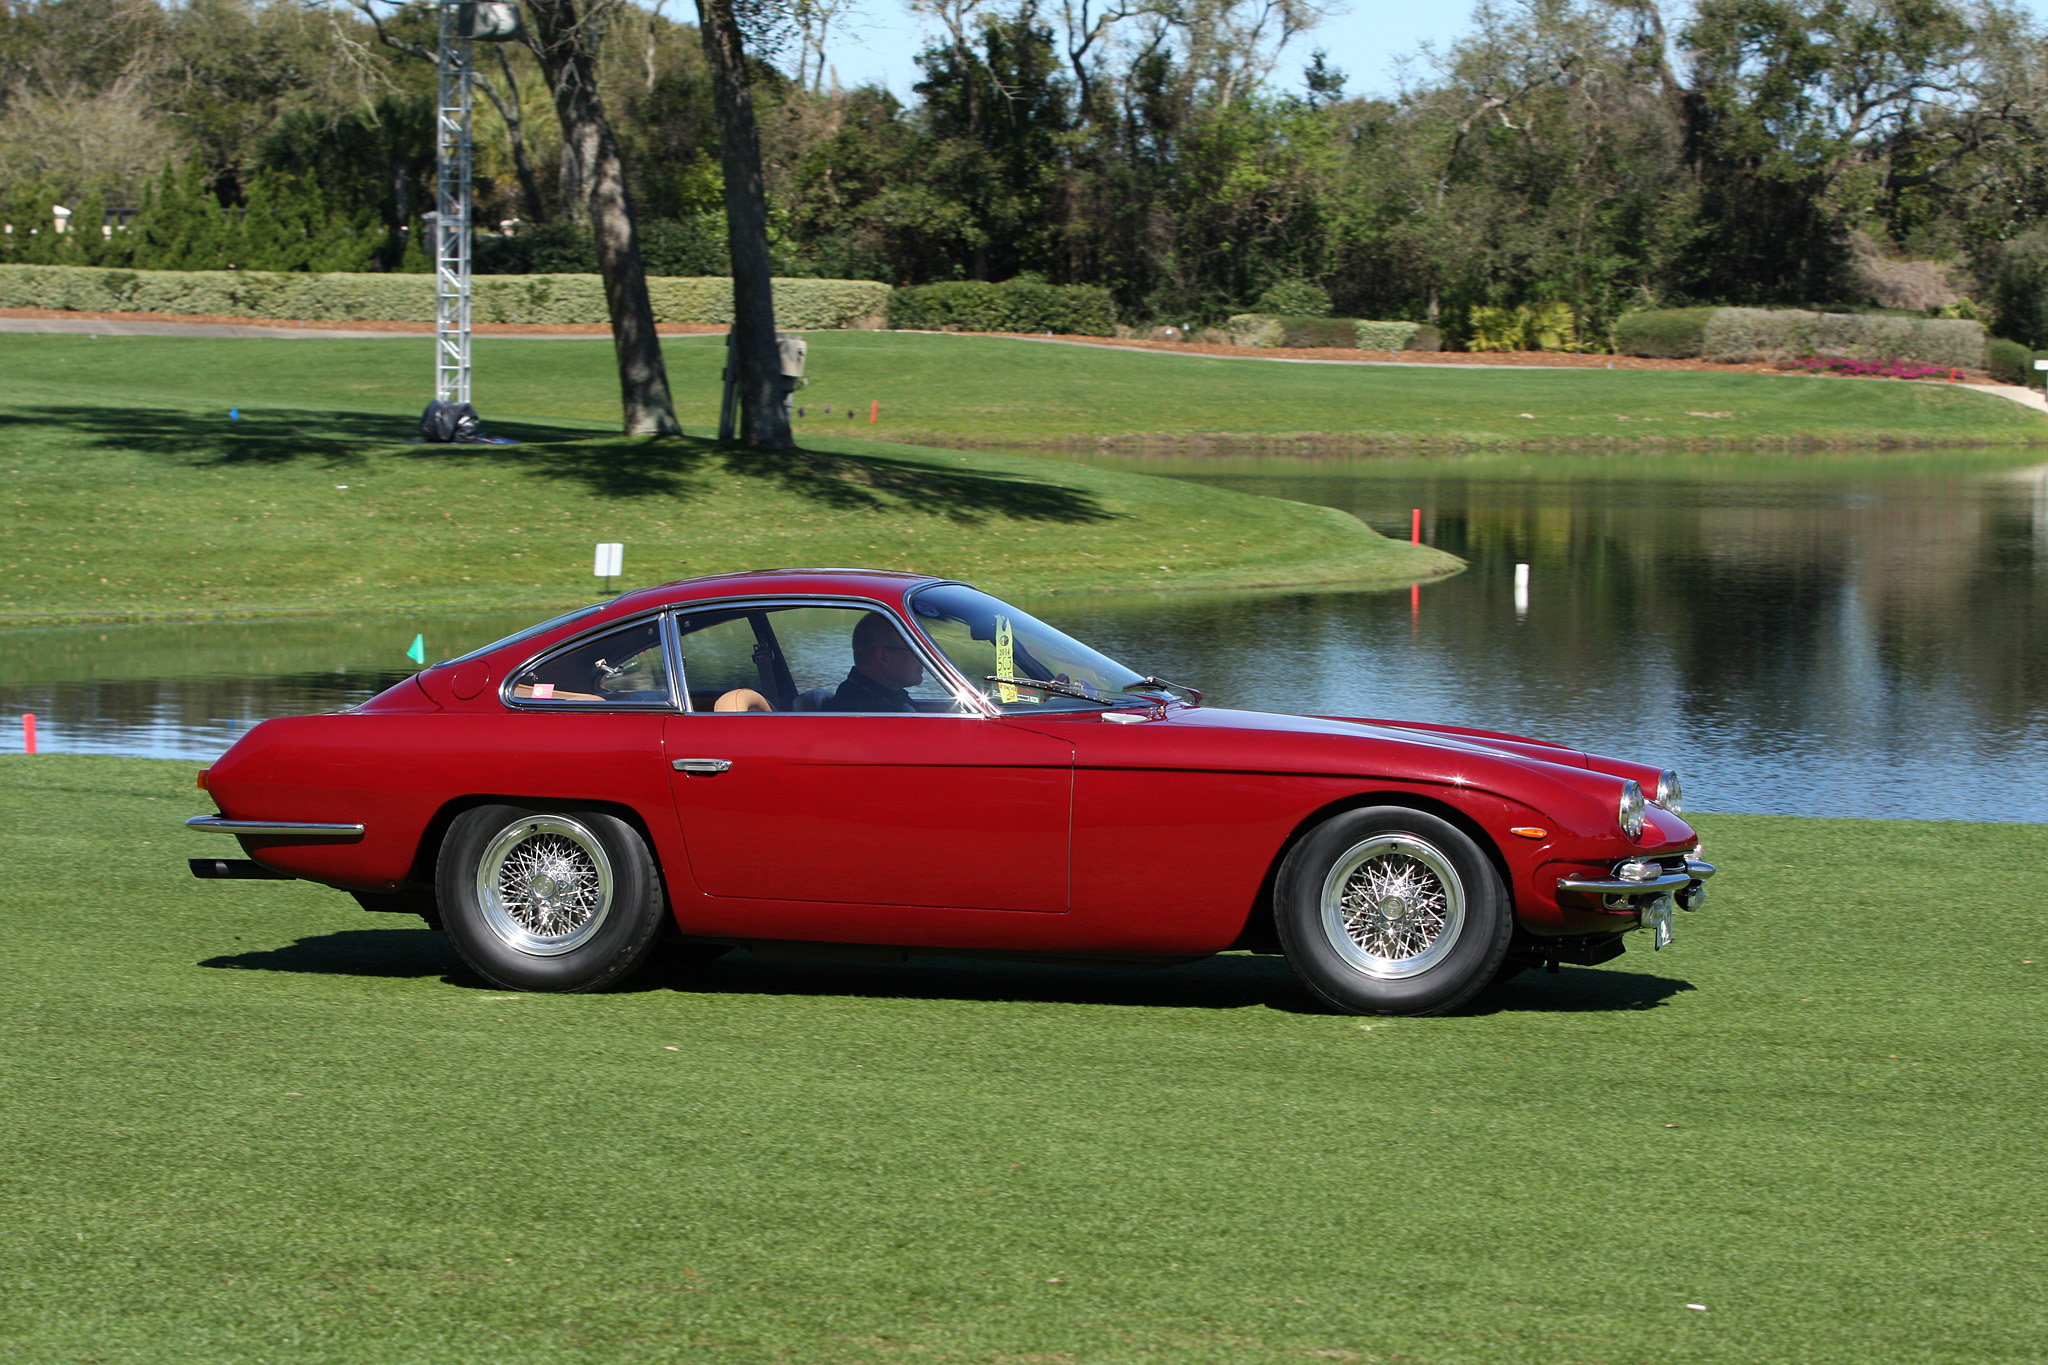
{"x":884,"y":669}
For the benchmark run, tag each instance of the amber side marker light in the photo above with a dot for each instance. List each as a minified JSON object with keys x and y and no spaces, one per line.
{"x":202,"y":777}
{"x":1525,"y":831}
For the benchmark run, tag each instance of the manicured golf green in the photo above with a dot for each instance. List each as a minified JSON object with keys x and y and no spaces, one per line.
{"x":130,"y":491}
{"x":248,"y":1121}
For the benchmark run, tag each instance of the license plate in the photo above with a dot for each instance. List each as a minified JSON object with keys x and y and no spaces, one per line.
{"x":1657,"y":919}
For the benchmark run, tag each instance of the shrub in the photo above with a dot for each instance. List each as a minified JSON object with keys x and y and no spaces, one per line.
{"x":1772,"y":334}
{"x":558,"y":299}
{"x":1397,"y":336}
{"x":1541,"y":327}
{"x":2012,"y":363}
{"x":1255,"y":329}
{"x":1294,"y":299}
{"x":2018,"y":274}
{"x":1662,"y":333}
{"x":1021,"y":305}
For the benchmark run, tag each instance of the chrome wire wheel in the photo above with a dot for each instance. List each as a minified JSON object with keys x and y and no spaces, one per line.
{"x":544,"y":885}
{"x":1393,"y":906}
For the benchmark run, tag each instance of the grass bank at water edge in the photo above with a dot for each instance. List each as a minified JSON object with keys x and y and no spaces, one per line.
{"x":155,"y":501}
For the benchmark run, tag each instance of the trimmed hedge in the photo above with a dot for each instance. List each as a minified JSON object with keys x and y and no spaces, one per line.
{"x":1268,"y":329}
{"x":1663,"y":333}
{"x":1301,"y":331}
{"x":1772,"y":334}
{"x":799,"y":304}
{"x":1769,"y":334}
{"x":1011,"y":306}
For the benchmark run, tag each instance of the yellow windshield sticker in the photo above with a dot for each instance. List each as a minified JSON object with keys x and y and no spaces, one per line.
{"x":1006,"y":660}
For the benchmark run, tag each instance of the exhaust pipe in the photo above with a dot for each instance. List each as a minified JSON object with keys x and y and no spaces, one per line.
{"x":235,"y":869}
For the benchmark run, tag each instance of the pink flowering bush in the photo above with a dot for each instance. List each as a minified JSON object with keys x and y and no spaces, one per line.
{"x":1868,"y":369}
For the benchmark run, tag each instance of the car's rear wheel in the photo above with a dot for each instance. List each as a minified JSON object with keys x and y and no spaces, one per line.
{"x":548,"y":900}
{"x":1388,"y":910}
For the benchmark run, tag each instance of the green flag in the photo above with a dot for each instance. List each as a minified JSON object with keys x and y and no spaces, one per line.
{"x":418,"y":652}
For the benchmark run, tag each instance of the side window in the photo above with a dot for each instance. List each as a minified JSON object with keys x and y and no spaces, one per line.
{"x":722,"y":654}
{"x":822,"y":659}
{"x":622,"y":667}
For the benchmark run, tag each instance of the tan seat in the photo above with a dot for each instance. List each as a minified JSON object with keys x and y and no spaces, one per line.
{"x":742,"y":699}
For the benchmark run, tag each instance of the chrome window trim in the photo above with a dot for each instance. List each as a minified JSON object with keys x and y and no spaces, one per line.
{"x":940,"y":667}
{"x":656,"y":615}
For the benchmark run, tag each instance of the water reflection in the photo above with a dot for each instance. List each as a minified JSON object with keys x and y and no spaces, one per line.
{"x":1846,"y":636}
{"x":185,"y":690}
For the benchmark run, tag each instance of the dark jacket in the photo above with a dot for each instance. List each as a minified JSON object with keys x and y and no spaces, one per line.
{"x":861,"y":693}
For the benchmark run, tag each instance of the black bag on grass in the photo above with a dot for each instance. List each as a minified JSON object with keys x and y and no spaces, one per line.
{"x":451,"y":424}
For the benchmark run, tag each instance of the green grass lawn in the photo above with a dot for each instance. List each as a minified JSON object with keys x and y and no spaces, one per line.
{"x":999,"y":390}
{"x":249,"y":1122}
{"x":129,"y":492}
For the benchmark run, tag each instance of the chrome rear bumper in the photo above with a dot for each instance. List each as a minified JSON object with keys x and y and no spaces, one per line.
{"x":297,"y":829}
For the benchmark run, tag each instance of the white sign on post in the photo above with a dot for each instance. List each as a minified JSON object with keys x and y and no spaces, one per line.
{"x":611,"y":558}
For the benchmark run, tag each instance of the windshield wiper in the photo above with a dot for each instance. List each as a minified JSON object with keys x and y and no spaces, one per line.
{"x":1151,"y":684}
{"x":1142,"y":689}
{"x":1064,"y":689}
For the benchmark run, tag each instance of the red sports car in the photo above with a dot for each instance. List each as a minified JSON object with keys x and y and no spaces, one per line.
{"x":831,"y":762}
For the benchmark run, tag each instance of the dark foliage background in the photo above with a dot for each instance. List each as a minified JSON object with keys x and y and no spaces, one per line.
{"x":1186,"y":159}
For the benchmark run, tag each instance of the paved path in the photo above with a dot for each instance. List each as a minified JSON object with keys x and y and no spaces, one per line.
{"x":2024,"y":395}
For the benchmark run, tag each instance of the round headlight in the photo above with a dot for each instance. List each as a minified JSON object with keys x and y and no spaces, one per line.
{"x":1631,"y":813}
{"x":1669,"y":796}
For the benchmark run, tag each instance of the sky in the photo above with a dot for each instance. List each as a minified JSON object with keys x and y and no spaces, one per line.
{"x":1364,"y":44}
{"x":1367,"y":44}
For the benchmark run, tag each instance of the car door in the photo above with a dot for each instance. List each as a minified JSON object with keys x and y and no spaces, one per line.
{"x":938,"y":807}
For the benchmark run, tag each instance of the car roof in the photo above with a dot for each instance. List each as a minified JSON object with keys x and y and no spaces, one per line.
{"x":885,"y":585}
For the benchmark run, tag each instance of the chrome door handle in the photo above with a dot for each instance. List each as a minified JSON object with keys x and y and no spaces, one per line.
{"x":702,"y":767}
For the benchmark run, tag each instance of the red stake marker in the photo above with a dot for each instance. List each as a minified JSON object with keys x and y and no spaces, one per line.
{"x":28,"y":733}
{"x":1415,"y":528}
{"x":875,"y":412}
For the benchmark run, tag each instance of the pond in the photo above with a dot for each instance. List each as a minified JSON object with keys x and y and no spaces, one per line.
{"x":1839,"y":635}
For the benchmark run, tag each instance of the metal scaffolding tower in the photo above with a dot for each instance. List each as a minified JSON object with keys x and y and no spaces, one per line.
{"x":452,"y":227}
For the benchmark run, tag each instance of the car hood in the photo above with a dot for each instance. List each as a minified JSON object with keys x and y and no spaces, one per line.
{"x":1567,"y":785}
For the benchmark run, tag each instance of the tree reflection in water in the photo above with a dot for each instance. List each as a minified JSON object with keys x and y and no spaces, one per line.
{"x":1845,"y":635}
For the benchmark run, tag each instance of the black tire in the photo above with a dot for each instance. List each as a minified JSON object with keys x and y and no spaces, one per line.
{"x":549,"y":900}
{"x":1444,"y":940}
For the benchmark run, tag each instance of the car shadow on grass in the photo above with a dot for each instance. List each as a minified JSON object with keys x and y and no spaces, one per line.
{"x":1226,"y":982}
{"x":605,"y":466}
{"x":388,"y":953}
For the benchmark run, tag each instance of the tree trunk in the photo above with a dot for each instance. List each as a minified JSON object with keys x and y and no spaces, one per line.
{"x":757,"y":364}
{"x":566,"y":44}
{"x":513,"y":112}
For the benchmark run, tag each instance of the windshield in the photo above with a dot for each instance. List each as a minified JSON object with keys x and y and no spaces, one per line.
{"x":988,"y":638}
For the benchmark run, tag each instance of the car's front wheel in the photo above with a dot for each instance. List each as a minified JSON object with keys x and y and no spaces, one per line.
{"x":548,"y":900}
{"x":1389,"y":910}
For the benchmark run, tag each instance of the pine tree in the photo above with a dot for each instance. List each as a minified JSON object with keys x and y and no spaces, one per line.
{"x":89,"y":238}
